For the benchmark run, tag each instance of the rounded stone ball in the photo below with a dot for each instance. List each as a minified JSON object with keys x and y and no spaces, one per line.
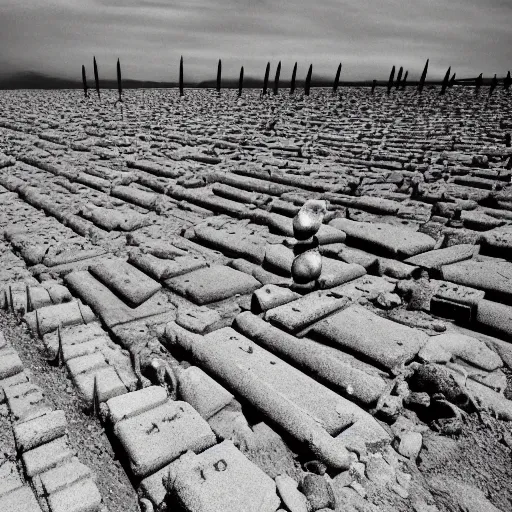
{"x":307,"y":267}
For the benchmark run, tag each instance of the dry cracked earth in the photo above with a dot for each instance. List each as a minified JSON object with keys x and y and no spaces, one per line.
{"x":155,"y":354}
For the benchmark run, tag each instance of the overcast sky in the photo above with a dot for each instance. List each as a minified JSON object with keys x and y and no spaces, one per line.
{"x":367,"y":36}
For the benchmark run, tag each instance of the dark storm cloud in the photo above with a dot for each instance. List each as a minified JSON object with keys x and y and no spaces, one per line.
{"x":368,"y":36}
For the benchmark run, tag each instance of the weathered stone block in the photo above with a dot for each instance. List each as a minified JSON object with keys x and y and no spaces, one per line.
{"x":21,"y":499}
{"x":203,"y":393}
{"x":40,"y":430}
{"x":135,"y":403}
{"x":51,"y":317}
{"x":158,"y":436}
{"x":357,"y":329}
{"x":9,"y":477}
{"x":108,"y":383}
{"x":131,"y":284}
{"x":10,"y":363}
{"x":400,"y":242}
{"x":46,"y":456}
{"x":221,"y":479}
{"x":82,"y":496}
{"x":302,"y":312}
{"x":112,"y":310}
{"x":63,"y":476}
{"x":213,"y":284}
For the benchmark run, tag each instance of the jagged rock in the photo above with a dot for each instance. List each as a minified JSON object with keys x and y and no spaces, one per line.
{"x":388,"y":300}
{"x":409,"y":444}
{"x":433,"y":378}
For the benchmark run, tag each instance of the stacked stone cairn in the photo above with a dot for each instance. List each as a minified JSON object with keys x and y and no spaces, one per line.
{"x":307,"y":264}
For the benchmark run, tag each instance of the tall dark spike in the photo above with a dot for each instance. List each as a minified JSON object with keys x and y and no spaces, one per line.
{"x":374,"y":84}
{"x":399,"y":77}
{"x":84,"y":81}
{"x":494,"y":84}
{"x":29,"y":299}
{"x":307,"y":85}
{"x":452,"y":81}
{"x":391,"y":79}
{"x":265,"y":80}
{"x":404,"y":80}
{"x":336,"y":80}
{"x":119,"y":83}
{"x":507,"y":82}
{"x":181,"y":77}
{"x":219,"y":75}
{"x":423,"y":77}
{"x":294,"y":76}
{"x":95,"y":398}
{"x":276,"y":79}
{"x":60,"y":351}
{"x":241,"y":81}
{"x":478,"y":83}
{"x":445,"y":81}
{"x":96,"y":78}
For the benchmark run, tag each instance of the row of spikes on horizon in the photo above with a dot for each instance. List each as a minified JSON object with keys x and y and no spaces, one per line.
{"x":399,"y":83}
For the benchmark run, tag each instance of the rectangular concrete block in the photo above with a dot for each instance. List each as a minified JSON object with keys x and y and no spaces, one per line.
{"x":491,"y":276}
{"x":401,"y":242}
{"x":156,"y":437}
{"x":38,"y":298}
{"x":112,"y":310}
{"x":335,"y":273}
{"x":51,"y":317}
{"x":72,"y":335}
{"x":130,"y":283}
{"x":137,"y":402}
{"x":202,"y":392}
{"x":162,"y":269}
{"x":6,"y":383}
{"x":302,"y":312}
{"x":82,"y":496}
{"x":63,"y":476}
{"x":222,"y":479}
{"x":10,"y":363}
{"x":9,"y":477}
{"x":46,"y":456}
{"x":86,"y":364}
{"x":213,"y":284}
{"x":108,"y":383}
{"x":26,"y":401}
{"x":41,"y":430}
{"x":86,"y":348}
{"x":21,"y":499}
{"x":378,"y":339}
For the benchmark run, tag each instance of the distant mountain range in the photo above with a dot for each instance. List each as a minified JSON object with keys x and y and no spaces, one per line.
{"x":34,"y":80}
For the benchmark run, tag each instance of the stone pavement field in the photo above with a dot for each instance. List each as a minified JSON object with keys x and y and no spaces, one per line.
{"x":149,"y":246}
